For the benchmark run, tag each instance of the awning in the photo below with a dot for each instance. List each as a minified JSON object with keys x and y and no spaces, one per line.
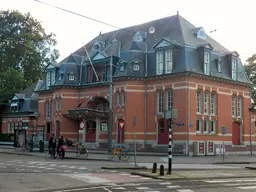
{"x":86,"y":113}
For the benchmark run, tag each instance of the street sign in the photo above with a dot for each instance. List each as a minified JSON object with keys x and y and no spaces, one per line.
{"x":134,"y":120}
{"x":82,"y":125}
{"x":223,"y":130}
{"x":180,"y":124}
{"x":190,"y":125}
{"x":121,"y":125}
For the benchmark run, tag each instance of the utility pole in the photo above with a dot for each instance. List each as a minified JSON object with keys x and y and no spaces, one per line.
{"x":170,"y":147}
{"x":110,"y":112}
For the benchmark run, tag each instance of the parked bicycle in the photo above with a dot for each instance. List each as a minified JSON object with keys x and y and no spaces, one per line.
{"x":119,"y":151}
{"x":82,"y":151}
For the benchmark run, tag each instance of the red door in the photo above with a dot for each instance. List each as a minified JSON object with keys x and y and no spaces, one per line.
{"x":236,"y":133}
{"x":91,"y":135}
{"x":120,"y":131}
{"x":162,"y":132}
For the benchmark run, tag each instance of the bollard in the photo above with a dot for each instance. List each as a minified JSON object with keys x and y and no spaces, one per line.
{"x":161,"y":170}
{"x":154,"y":167}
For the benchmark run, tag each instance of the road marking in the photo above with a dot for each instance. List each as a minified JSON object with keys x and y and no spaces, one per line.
{"x":2,"y":163}
{"x":119,"y":188}
{"x":49,"y":168}
{"x":30,"y":166}
{"x":37,"y":171}
{"x":63,"y":166}
{"x":145,"y":178}
{"x":134,"y":176}
{"x":247,"y":187}
{"x":67,"y":171}
{"x":113,"y":171}
{"x":185,"y":190}
{"x":165,"y":183}
{"x":173,"y":186}
{"x":41,"y":167}
{"x":123,"y":174}
{"x":52,"y":165}
{"x":72,"y":167}
{"x":107,"y":189}
{"x":83,"y":168}
{"x":230,"y":181}
{"x":3,"y":167}
{"x":236,"y":184}
{"x":143,"y":188}
{"x":132,"y":184}
{"x":9,"y":164}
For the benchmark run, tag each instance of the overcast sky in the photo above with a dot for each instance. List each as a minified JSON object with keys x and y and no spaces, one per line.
{"x":233,"y":20}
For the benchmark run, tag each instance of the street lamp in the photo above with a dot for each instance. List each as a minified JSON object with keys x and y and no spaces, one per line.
{"x":168,"y":116}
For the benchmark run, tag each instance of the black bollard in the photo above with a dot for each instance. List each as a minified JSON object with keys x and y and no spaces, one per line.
{"x":161,"y":170}
{"x":154,"y":167}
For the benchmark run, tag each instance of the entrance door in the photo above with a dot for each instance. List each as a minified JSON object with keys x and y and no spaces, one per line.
{"x":162,"y":132}
{"x":236,"y":133}
{"x":121,"y":127}
{"x":90,"y":131}
{"x":57,"y":129}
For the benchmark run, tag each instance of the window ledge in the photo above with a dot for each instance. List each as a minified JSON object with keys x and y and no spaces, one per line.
{"x":199,"y":113}
{"x":198,"y":133}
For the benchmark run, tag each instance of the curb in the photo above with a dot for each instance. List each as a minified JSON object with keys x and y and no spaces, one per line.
{"x":89,"y":159}
{"x":130,"y":168}
{"x":252,"y":168}
{"x":189,"y":179}
{"x":13,"y":153}
{"x":230,"y":162}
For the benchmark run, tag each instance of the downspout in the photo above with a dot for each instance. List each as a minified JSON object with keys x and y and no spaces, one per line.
{"x":188,"y":107}
{"x":145,"y":95}
{"x":251,"y":122}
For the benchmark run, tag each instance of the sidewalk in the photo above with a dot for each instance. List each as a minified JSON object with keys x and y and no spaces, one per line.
{"x":149,"y":159}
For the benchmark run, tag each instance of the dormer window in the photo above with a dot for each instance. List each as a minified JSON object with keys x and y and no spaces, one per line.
{"x":136,"y":67}
{"x":71,"y":77}
{"x":60,"y":76}
{"x":164,"y":59}
{"x":168,"y":61}
{"x":201,"y":33}
{"x":219,"y":65}
{"x":121,"y":67}
{"x":206,"y":63}
{"x":234,"y":69}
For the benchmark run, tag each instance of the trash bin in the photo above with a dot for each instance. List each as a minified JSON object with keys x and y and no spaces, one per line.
{"x":41,"y":146}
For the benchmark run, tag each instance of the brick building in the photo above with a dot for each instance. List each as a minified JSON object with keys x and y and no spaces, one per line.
{"x":160,"y":65}
{"x":20,"y":118}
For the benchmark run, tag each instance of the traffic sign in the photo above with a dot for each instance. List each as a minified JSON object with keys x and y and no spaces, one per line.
{"x":223,"y":130}
{"x":121,"y":124}
{"x":82,"y":125}
{"x":190,"y":125}
{"x":180,"y":124}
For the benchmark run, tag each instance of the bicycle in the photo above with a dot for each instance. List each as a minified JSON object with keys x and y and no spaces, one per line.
{"x":83,"y":151}
{"x":52,"y":153}
{"x":120,"y":152}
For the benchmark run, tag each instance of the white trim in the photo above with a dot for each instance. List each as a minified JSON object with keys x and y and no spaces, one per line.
{"x":41,"y":101}
{"x":140,"y":133}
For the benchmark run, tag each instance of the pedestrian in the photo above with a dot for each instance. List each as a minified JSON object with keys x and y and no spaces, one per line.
{"x":52,"y":143}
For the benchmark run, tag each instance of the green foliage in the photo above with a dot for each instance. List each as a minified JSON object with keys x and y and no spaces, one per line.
{"x":250,"y":68}
{"x":25,"y":48}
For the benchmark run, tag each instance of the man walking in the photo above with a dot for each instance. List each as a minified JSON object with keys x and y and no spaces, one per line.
{"x":52,"y":144}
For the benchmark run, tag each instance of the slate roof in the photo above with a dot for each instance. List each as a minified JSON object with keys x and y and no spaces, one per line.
{"x":174,"y":29}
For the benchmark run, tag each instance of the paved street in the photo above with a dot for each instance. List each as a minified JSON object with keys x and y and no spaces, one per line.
{"x":20,"y":173}
{"x":236,"y":185}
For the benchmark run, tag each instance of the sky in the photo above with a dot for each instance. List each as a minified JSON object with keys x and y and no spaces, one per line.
{"x":232,"y":20}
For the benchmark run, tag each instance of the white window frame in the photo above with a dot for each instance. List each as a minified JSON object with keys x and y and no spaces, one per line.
{"x":169,"y":100}
{"x":199,"y":122}
{"x":159,"y":62}
{"x":206,"y":102}
{"x":219,"y":66}
{"x":136,"y":67}
{"x":206,"y":63}
{"x":233,"y":106}
{"x":206,"y":126}
{"x":48,"y":79}
{"x":213,"y":104}
{"x":53,"y":77}
{"x":160,"y":102}
{"x":199,"y":102}
{"x":57,"y":104}
{"x":71,"y":77}
{"x":239,"y":106}
{"x":213,"y":126}
{"x":234,"y":69}
{"x":168,"y":61}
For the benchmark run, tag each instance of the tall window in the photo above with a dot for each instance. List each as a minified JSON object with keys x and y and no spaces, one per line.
{"x":206,"y":63}
{"x":239,"y":107}
{"x":159,"y":62}
{"x":118,"y":99}
{"x":219,"y":65}
{"x":199,"y":102}
{"x":206,"y":103}
{"x":53,"y":77}
{"x":58,"y":103}
{"x":199,"y":125}
{"x":123,"y":97}
{"x":213,"y":104}
{"x":169,"y":100}
{"x":168,"y":61}
{"x":48,"y":110}
{"x":233,"y":106}
{"x":48,"y":79}
{"x":213,"y":126}
{"x":234,"y":72}
{"x":160,"y":102}
{"x":13,"y":127}
{"x":206,"y":126}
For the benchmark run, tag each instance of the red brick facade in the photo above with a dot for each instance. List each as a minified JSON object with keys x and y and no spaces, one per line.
{"x":182,"y":88}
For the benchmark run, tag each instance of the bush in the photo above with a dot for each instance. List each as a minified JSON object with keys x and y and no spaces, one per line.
{"x":6,"y":137}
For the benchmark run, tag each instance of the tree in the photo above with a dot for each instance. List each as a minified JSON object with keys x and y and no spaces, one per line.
{"x":25,"y":48}
{"x":250,"y":68}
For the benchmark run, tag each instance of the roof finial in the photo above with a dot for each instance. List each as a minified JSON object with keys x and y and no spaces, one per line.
{"x":177,"y":12}
{"x":100,"y":32}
